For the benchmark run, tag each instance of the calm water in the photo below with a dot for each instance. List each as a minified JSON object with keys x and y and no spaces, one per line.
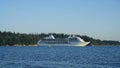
{"x":60,"y":57}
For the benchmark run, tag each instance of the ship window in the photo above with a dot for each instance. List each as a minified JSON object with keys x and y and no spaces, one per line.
{"x":73,"y":39}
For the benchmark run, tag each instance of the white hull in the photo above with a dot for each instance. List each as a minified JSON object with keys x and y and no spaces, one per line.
{"x":77,"y":44}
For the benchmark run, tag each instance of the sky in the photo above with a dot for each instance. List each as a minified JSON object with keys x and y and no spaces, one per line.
{"x":99,"y":19}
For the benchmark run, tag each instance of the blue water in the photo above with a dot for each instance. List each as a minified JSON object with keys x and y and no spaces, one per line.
{"x":60,"y":57}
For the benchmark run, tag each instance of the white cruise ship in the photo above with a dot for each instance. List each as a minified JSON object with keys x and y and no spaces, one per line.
{"x":70,"y":41}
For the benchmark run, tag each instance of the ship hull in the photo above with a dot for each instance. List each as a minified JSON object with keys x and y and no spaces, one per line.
{"x":76,"y":44}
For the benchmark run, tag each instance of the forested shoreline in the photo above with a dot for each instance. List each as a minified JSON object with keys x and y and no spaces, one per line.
{"x":12,"y":38}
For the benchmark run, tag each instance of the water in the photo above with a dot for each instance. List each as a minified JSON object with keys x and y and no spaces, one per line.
{"x":60,"y":57}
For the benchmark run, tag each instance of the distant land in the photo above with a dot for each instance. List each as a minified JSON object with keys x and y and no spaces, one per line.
{"x":12,"y":38}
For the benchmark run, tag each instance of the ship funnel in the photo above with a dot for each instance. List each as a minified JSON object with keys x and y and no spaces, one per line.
{"x":50,"y":37}
{"x":81,"y":40}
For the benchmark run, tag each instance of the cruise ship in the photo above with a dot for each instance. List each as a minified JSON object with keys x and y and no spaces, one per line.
{"x":72,"y":40}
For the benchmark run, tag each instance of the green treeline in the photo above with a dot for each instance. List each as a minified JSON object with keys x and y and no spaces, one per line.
{"x":12,"y":38}
{"x":8,"y":38}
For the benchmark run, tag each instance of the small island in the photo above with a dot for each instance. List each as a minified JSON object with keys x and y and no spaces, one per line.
{"x":23,"y":39}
